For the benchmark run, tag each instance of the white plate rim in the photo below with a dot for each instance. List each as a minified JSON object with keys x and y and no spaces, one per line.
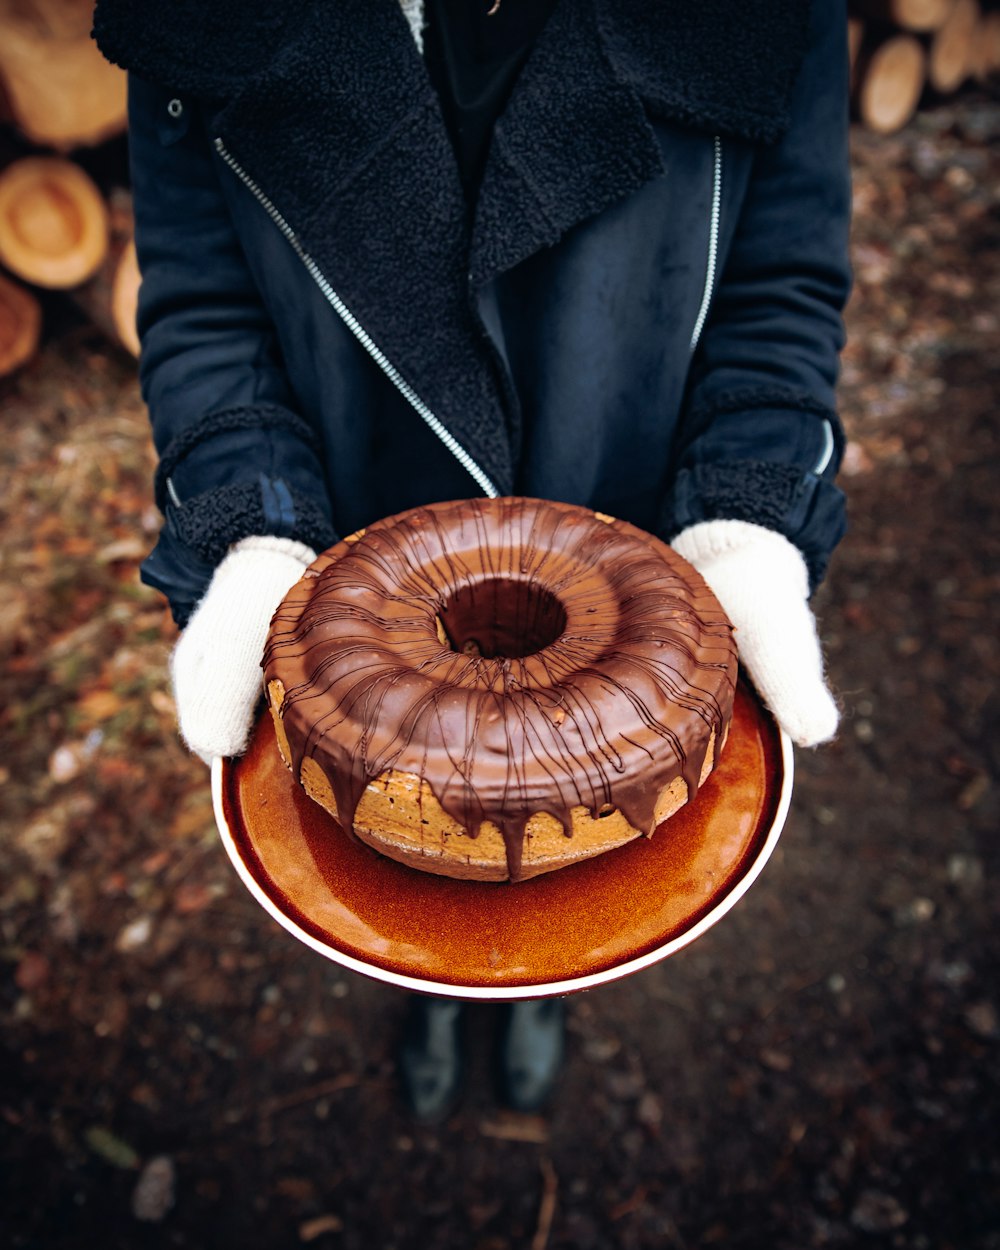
{"x":511,"y":993}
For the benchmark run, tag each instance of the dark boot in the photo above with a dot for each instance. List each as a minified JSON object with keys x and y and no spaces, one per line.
{"x":431,"y":1059}
{"x":530,"y":1052}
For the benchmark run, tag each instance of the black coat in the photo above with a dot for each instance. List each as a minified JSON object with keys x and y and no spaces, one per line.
{"x":643,"y":316}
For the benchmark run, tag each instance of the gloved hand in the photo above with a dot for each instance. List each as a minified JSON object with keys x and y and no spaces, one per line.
{"x":760,"y":578}
{"x":215,"y":666}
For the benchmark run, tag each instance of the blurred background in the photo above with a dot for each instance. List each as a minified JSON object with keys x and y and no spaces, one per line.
{"x":821,"y":1069}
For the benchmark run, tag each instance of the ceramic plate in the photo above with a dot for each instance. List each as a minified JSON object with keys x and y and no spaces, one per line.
{"x":567,"y":930}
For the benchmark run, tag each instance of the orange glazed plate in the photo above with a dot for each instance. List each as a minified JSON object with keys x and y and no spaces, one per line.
{"x":567,"y":930}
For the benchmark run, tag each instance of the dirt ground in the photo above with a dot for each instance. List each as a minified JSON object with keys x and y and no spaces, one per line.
{"x":819,"y":1070}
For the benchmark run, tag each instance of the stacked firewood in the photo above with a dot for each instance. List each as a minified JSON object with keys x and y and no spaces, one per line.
{"x":58,"y":98}
{"x":59,"y":231}
{"x":904,"y":50}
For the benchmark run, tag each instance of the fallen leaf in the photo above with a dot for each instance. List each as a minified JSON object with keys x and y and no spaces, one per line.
{"x":776,"y":1060}
{"x":162,"y":703}
{"x":298,"y":1188}
{"x":100,"y":705}
{"x":77,"y":545}
{"x":515,"y":1126}
{"x":65,"y":763}
{"x":192,"y":896}
{"x":112,"y":1149}
{"x":153,"y":1195}
{"x":32,"y":971}
{"x":135,"y":934}
{"x":194,"y":818}
{"x":311,"y":1229}
{"x":123,"y":549}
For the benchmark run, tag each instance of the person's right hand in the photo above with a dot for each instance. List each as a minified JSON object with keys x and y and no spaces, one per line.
{"x":215,"y":666}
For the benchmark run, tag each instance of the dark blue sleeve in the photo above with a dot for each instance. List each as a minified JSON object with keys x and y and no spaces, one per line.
{"x":762,"y":438}
{"x":236,"y":458}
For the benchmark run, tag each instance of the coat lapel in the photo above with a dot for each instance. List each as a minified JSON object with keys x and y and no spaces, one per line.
{"x":572,"y":140}
{"x":344,"y":134}
{"x":576,"y":137}
{"x":723,"y":66}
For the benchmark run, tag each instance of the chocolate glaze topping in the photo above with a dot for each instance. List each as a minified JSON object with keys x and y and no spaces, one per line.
{"x":518,"y":655}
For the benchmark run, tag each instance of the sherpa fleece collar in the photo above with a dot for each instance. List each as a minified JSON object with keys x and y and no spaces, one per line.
{"x":724,"y":65}
{"x":328,"y":108}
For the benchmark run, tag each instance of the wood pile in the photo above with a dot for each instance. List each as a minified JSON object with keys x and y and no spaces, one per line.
{"x":905,"y":50}
{"x":56,"y":88}
{"x":59,"y":230}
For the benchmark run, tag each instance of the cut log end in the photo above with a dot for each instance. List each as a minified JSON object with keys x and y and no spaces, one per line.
{"x":985,"y":59}
{"x":53,"y":222}
{"x":110,"y":298}
{"x":125,"y":299}
{"x":910,"y":15}
{"x":58,"y":89}
{"x":855,"y":38}
{"x":891,"y":82}
{"x":950,"y":58}
{"x":20,"y":326}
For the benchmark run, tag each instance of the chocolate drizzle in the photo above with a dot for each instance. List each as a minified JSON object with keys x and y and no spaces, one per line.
{"x":519,"y":656}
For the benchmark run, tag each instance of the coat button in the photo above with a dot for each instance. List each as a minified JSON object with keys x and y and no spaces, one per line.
{"x":175,"y":108}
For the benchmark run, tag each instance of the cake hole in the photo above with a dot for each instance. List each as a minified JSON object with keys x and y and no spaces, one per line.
{"x":502,"y":618}
{"x":606,"y":810}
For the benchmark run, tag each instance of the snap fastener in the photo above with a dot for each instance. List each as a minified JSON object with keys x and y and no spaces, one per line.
{"x":175,"y":108}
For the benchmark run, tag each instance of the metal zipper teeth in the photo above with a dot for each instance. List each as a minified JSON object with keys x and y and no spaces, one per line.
{"x":826,"y":453}
{"x":360,"y":333}
{"x":713,"y":243}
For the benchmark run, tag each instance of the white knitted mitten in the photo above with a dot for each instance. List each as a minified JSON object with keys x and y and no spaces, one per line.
{"x":760,"y":578}
{"x":215,"y":667}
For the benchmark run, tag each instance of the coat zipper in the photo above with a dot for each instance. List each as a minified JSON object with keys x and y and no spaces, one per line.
{"x":360,"y":333}
{"x":713,"y":243}
{"x":826,"y":452}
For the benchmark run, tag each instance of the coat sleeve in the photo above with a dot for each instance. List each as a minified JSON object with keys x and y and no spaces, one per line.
{"x":235,"y":457}
{"x":761,"y":440}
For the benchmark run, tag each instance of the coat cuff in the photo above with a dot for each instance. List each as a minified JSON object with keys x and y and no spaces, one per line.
{"x":802,"y":506}
{"x":766,"y":455}
{"x":215,"y":450}
{"x":211,"y":523}
{"x":197,"y":536}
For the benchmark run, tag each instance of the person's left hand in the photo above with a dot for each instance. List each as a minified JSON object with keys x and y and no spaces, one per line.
{"x":760,"y":578}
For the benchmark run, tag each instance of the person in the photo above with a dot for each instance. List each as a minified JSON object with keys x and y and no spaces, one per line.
{"x":400,"y":251}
